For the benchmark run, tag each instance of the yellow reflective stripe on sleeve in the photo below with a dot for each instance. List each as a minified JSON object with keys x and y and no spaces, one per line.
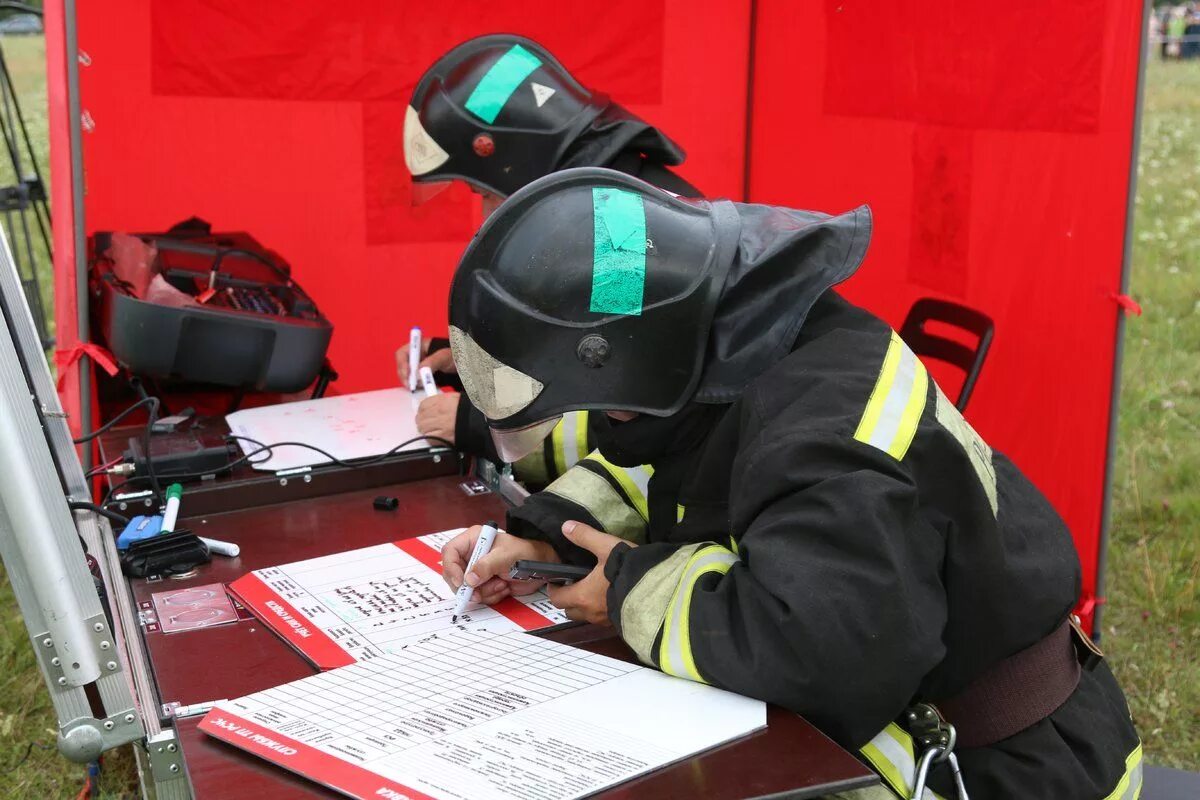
{"x":1130,"y":785}
{"x":912,"y":409}
{"x":893,"y":412}
{"x":581,"y":436}
{"x":569,"y":441}
{"x":887,"y":377}
{"x":977,"y":450}
{"x":891,"y":754}
{"x":589,"y":490}
{"x":635,"y":481}
{"x":645,"y":606}
{"x":675,"y":653}
{"x":679,"y":512}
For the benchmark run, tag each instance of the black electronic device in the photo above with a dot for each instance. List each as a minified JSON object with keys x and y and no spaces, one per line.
{"x":182,"y":453}
{"x":558,"y":574}
{"x":166,"y":554}
{"x":385,"y":503}
{"x":202,"y":307}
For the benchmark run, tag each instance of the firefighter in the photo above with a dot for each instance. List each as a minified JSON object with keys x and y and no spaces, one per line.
{"x":826,"y":532}
{"x":497,"y":112}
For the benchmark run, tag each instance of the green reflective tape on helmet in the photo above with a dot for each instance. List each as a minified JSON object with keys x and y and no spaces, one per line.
{"x":500,"y":82}
{"x":618,"y":251}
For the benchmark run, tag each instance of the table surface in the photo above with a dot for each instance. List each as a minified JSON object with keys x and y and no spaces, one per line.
{"x":790,"y":758}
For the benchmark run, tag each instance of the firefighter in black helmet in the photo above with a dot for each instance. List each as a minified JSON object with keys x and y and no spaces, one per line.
{"x":826,"y":532}
{"x":498,"y":112}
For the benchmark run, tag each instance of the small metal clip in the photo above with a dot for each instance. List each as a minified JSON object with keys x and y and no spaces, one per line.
{"x":934,"y":738}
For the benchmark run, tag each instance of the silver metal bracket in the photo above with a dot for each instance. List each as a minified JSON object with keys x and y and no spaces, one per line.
{"x":166,"y":759}
{"x":474,"y":487}
{"x":500,"y":481}
{"x":97,"y":626}
{"x":83,"y":740}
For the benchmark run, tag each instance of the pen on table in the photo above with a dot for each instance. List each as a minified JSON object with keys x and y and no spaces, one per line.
{"x":228,"y":549}
{"x":482,"y":545}
{"x":428,"y":382}
{"x":414,"y":357}
{"x":174,"y":495}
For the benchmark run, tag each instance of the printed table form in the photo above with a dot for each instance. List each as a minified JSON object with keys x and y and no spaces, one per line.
{"x":363,"y":603}
{"x":469,"y":714}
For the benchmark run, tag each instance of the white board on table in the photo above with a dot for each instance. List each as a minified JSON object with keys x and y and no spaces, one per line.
{"x":348,"y":426}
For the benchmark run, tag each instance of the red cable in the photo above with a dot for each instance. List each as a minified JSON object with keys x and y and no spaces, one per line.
{"x":95,"y":471}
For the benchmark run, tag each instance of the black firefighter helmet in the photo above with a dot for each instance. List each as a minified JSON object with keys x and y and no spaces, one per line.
{"x":500,"y":111}
{"x":591,"y":289}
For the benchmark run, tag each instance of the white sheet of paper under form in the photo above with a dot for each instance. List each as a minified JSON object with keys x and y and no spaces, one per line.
{"x":482,"y":716}
{"x":348,"y":426}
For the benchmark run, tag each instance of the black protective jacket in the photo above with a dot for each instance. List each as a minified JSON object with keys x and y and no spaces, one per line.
{"x":839,"y":541}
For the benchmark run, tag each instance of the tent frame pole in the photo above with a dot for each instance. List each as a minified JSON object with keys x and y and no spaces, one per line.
{"x":75,"y":137}
{"x":1119,"y":348}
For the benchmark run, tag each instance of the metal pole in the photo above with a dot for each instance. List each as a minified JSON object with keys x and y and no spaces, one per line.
{"x":1119,"y":350}
{"x":75,"y":136}
{"x":22,"y":502}
{"x":748,"y":131}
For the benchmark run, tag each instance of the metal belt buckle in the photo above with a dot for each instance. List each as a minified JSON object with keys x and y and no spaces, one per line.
{"x":934,"y":738}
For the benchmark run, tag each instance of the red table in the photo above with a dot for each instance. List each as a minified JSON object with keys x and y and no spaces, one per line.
{"x":789,"y":759}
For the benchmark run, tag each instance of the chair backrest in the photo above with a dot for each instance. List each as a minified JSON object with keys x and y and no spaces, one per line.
{"x":928,"y":345}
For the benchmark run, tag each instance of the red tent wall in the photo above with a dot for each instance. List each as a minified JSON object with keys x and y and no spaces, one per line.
{"x":285,"y":119}
{"x":993,"y":145}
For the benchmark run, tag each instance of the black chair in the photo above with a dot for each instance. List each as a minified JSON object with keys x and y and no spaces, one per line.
{"x":928,"y":345}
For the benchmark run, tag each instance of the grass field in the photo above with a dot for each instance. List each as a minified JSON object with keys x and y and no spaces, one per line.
{"x":1152,"y":627}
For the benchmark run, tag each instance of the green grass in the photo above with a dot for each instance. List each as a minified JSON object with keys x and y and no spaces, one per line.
{"x":26,"y":60}
{"x":1152,"y":623}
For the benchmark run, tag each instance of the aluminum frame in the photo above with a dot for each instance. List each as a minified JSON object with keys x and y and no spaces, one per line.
{"x":79,"y":647}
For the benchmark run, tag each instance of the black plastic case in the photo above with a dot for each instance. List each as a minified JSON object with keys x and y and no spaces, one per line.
{"x":259,"y":332}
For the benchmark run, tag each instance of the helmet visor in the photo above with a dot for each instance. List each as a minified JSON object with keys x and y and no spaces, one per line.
{"x":422,"y":192}
{"x":513,"y":445}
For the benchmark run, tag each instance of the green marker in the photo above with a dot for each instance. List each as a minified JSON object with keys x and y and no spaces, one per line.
{"x":174,"y":495}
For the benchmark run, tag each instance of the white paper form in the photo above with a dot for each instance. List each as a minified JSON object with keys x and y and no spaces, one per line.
{"x":481,"y":716}
{"x":348,"y":426}
{"x":360,"y":604}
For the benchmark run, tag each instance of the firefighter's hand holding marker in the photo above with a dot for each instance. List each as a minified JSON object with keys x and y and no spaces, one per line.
{"x":440,"y":360}
{"x":585,"y":601}
{"x":438,"y":413}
